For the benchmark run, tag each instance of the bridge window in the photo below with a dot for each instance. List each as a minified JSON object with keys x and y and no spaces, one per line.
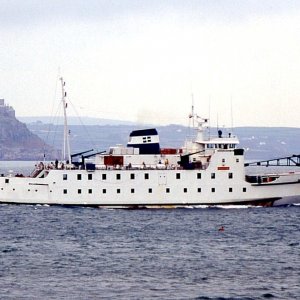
{"x":146,"y":139}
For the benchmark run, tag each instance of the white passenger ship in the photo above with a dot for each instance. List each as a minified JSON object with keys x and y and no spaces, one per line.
{"x":205,"y":171}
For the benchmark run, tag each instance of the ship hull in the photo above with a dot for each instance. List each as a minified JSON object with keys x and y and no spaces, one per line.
{"x":147,"y":188}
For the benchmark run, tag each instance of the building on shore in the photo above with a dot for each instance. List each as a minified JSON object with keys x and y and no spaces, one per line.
{"x":6,"y":110}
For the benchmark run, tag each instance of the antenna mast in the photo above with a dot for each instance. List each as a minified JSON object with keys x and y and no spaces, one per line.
{"x":193,"y":115}
{"x":231,"y":114}
{"x":66,"y":146}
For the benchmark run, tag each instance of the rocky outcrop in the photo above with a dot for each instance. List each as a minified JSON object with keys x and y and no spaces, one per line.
{"x":18,"y":143}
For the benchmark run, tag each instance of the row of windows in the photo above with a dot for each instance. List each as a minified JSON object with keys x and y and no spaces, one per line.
{"x":185,"y":190}
{"x":146,"y":176}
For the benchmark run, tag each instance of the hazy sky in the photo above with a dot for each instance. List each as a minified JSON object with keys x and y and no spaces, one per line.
{"x":142,"y":60}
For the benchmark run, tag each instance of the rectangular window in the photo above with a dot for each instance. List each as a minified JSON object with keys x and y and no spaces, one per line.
{"x":237,"y":160}
{"x":177,"y":175}
{"x":213,"y":175}
{"x":149,"y":191}
{"x":6,"y":180}
{"x":199,"y":190}
{"x":118,"y":191}
{"x":78,"y":176}
{"x":146,"y":175}
{"x":244,"y":190}
{"x":90,"y":191}
{"x":185,"y":190}
{"x":230,"y":190}
{"x":213,"y":190}
{"x":79,"y":191}
{"x":103,"y":176}
{"x":230,"y":175}
{"x":223,"y":160}
{"x":198,"y":175}
{"x":132,"y":176}
{"x":104,"y":191}
{"x":167,"y":190}
{"x":65,"y":191}
{"x":65,"y":176}
{"x":90,"y":176}
{"x":118,"y":176}
{"x":132,"y":191}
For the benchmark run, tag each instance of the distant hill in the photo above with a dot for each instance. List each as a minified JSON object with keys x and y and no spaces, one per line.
{"x":27,"y":142}
{"x":259,"y":142}
{"x":16,"y":141}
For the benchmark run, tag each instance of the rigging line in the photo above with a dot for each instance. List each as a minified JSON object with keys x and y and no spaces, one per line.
{"x":82,"y":124}
{"x":209,"y":107}
{"x":52,"y":109}
{"x":51,"y":120}
{"x":231,"y":112}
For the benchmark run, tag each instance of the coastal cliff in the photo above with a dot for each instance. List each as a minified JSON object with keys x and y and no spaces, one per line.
{"x":16,"y":141}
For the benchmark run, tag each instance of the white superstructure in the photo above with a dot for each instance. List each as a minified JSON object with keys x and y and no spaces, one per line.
{"x":205,"y":171}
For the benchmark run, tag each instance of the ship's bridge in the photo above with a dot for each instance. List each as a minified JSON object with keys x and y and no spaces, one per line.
{"x":221,"y":143}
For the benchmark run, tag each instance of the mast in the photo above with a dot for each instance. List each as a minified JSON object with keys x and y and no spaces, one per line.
{"x":66,"y":145}
{"x":200,"y":123}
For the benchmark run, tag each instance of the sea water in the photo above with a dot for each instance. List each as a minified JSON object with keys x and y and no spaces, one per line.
{"x":55,"y":252}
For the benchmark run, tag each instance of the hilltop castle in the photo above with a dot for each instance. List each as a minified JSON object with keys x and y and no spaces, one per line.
{"x":6,"y":110}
